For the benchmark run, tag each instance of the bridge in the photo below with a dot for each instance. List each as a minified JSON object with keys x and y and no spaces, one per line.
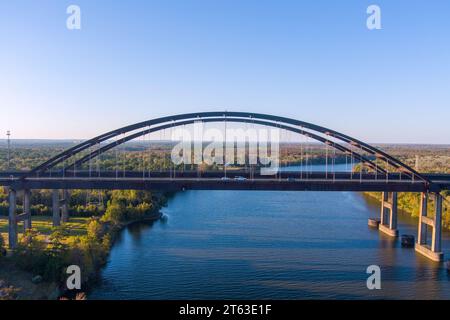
{"x":378,"y":171}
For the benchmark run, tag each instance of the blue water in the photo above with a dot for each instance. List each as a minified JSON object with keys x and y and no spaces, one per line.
{"x":267,"y":245}
{"x":341,"y":167}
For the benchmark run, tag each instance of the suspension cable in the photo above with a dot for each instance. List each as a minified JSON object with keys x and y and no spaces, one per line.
{"x":361,"y":170}
{"x":351,"y":164}
{"x":90,"y":161}
{"x":387,"y":171}
{"x":99,"y":159}
{"x":301,"y":157}
{"x":326,"y":161}
{"x":143,"y":156}
{"x":150,"y":162}
{"x":116,"y":165}
{"x":124,"y":155}
{"x":333,"y":163}
{"x":225,"y":147}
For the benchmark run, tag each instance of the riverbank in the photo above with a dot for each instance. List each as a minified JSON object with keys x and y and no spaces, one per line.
{"x":111,"y":233}
{"x":36,"y":268}
{"x":18,"y":284}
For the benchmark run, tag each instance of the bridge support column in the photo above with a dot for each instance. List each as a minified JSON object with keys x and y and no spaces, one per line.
{"x":12,"y":221}
{"x":432,"y":252}
{"x":65,"y":207}
{"x":388,"y":219}
{"x":56,"y":208}
{"x":422,"y":231}
{"x":27,"y":209}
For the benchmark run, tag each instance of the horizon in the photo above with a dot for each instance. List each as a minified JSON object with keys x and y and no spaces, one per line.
{"x":68,"y":140}
{"x":314,"y":61}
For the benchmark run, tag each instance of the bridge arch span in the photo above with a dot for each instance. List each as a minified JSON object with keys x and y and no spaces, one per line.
{"x":301,"y":127}
{"x":311,"y":135}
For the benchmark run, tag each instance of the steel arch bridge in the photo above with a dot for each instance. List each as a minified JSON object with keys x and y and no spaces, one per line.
{"x":402,"y":178}
{"x":306,"y":129}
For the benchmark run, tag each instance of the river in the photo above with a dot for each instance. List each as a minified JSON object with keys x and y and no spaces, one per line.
{"x":267,"y":245}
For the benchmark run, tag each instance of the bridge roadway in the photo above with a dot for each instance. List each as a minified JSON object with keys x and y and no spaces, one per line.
{"x":193,"y":180}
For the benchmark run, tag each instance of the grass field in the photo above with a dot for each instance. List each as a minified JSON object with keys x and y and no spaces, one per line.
{"x":76,"y":226}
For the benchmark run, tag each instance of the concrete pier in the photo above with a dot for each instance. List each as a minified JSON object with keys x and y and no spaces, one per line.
{"x":27,"y":210}
{"x":65,"y":207}
{"x":56,"y":208}
{"x":374,"y":223}
{"x":422,"y":231}
{"x":432,"y":251}
{"x":12,"y":221}
{"x":388,"y":216}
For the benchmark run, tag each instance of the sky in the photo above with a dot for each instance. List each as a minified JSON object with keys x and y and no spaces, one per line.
{"x":315,"y":61}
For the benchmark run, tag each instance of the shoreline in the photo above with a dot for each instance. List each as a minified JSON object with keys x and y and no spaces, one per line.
{"x":94,"y":279}
{"x":17,"y":284}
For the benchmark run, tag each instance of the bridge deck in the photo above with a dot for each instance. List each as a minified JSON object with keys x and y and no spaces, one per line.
{"x":177,"y":184}
{"x":191,"y":180}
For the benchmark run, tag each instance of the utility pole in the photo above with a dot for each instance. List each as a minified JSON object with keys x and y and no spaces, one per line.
{"x":8,"y":133}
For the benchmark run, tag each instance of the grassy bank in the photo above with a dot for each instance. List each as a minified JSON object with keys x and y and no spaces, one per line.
{"x":36,"y":269}
{"x":43,"y":225}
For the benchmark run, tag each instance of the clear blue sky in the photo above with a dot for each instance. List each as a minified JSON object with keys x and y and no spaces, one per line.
{"x":311,"y":60}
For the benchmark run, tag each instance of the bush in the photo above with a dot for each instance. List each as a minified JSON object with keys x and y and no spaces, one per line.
{"x":2,"y":246}
{"x":89,"y":252}
{"x":115,"y":213}
{"x":56,"y":253}
{"x":30,"y":253}
{"x":94,"y":229}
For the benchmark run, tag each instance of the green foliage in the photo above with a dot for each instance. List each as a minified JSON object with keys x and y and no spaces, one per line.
{"x":56,"y":253}
{"x":47,"y":260}
{"x":30,"y":253}
{"x":128,"y":205}
{"x":409,"y":202}
{"x":94,"y":229}
{"x":50,"y":258}
{"x":114,"y":213}
{"x":2,"y":247}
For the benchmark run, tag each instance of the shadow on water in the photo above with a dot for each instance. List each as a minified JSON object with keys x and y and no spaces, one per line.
{"x":137,"y":229}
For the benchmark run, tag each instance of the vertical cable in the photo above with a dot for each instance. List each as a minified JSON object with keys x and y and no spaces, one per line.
{"x":225,"y":147}
{"x":351,"y":164}
{"x":301,"y":157}
{"x":333,"y":163}
{"x":143,"y":155}
{"x":116,"y":165}
{"x":124,"y":156}
{"x":99,"y":159}
{"x":326,"y":160}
